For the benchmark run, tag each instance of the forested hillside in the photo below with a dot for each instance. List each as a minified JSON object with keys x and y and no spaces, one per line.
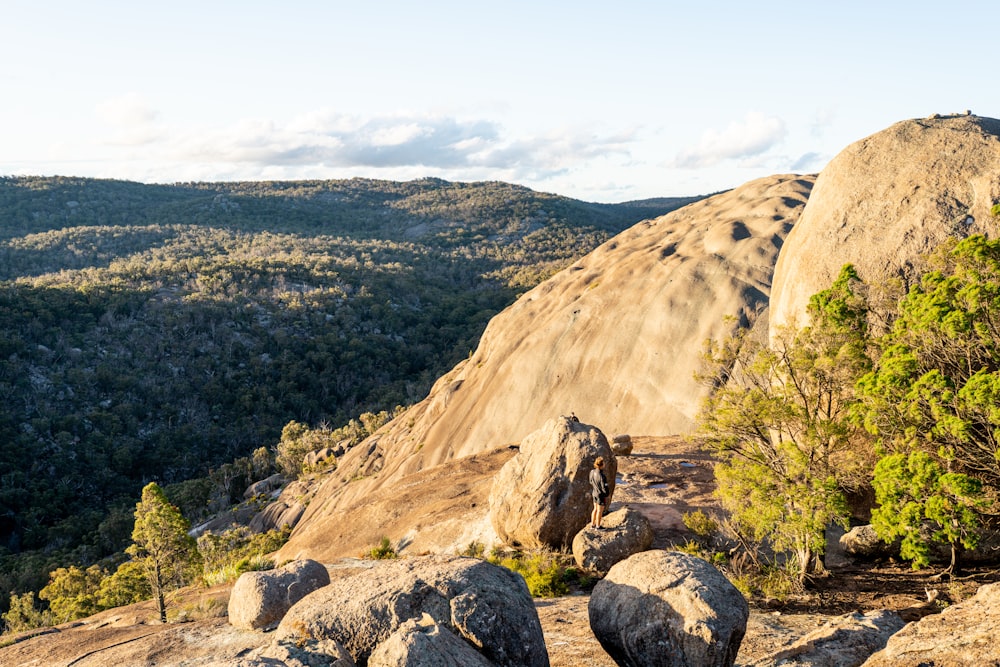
{"x":154,"y":332}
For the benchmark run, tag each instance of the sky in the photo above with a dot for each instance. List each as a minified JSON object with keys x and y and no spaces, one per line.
{"x":600,"y":101}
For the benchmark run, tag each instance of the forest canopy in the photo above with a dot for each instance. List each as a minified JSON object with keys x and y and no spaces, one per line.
{"x":157,"y":332}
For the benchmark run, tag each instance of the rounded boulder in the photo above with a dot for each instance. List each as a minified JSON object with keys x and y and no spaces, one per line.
{"x":541,"y":497}
{"x":668,"y":609}
{"x":259,"y":600}
{"x":623,"y":532}
{"x":487,"y":606}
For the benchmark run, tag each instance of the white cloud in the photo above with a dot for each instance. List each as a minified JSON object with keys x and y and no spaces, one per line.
{"x":132,"y":119}
{"x":753,"y":136}
{"x":328,"y":140}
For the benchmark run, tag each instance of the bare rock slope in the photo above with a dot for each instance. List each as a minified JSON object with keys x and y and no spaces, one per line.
{"x":615,"y":338}
{"x":887,"y":199}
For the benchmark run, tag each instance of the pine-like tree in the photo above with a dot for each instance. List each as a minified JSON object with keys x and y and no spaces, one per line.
{"x":161,"y":544}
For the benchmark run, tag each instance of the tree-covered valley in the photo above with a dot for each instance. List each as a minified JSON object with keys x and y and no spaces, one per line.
{"x":158,"y":332}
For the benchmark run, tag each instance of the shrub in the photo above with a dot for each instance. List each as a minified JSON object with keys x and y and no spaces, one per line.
{"x":23,"y":615}
{"x":383,"y":551}
{"x":700,"y":524}
{"x":73,"y":592}
{"x":127,"y":585}
{"x":231,"y":553}
{"x":544,"y":574}
{"x":916,"y":491}
{"x":474,"y":549}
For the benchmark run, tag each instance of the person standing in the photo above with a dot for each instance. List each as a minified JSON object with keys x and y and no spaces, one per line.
{"x":599,"y":491}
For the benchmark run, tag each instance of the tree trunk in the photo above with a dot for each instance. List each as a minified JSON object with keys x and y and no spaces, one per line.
{"x":805,"y":558}
{"x":161,"y":605}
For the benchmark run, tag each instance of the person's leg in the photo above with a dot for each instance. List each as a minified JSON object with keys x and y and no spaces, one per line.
{"x":595,"y":516}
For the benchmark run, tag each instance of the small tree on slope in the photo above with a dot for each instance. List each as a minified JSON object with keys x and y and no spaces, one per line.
{"x":161,"y":544}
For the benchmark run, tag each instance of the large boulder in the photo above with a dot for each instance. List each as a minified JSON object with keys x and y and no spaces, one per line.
{"x":488,"y":606}
{"x":259,"y":600}
{"x":669,"y":609}
{"x":623,"y":532}
{"x":864,"y":543}
{"x":425,"y":644}
{"x":286,"y":510}
{"x":843,"y":641}
{"x":277,"y":515}
{"x":542,"y":497}
{"x":621,"y":444}
{"x":300,"y":652}
{"x":962,"y":634}
{"x":265,"y":486}
{"x":884,"y":201}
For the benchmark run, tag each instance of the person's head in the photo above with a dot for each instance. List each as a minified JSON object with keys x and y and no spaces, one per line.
{"x":599,"y":462}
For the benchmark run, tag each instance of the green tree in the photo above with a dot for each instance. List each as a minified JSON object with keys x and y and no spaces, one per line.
{"x":922,"y":503}
{"x":161,"y":545}
{"x":297,"y":440}
{"x":936,"y":386}
{"x":779,"y":418}
{"x":73,"y":592}
{"x":127,"y":585}
{"x":24,"y":615}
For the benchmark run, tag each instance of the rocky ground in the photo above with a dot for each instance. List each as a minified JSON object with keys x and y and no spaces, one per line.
{"x":664,"y":478}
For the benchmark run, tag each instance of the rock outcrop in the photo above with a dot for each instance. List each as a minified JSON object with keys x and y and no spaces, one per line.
{"x":670,"y":609}
{"x":962,"y":634}
{"x":844,"y":641}
{"x":885,"y":200}
{"x":425,"y":644}
{"x":621,"y":444}
{"x":863,"y":542}
{"x":576,"y":343}
{"x":487,"y":606}
{"x":301,"y":652}
{"x":286,"y":510}
{"x":542,"y":497}
{"x":623,"y":532}
{"x":265,"y":486}
{"x":260,"y":599}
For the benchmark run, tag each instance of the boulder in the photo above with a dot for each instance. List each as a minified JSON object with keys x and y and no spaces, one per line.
{"x":621,"y":445}
{"x":486,"y":605}
{"x":666,"y":608}
{"x":623,"y":532}
{"x":886,"y":200}
{"x":844,"y":641}
{"x":301,"y":652}
{"x":260,"y":599}
{"x":425,"y":644}
{"x":541,"y":497}
{"x":264,"y":486}
{"x":863,"y":542}
{"x":317,"y":457}
{"x":962,"y":634}
{"x":277,"y":515}
{"x":287,"y":509}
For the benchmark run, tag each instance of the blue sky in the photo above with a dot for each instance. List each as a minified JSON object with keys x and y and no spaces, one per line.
{"x":600,"y":101}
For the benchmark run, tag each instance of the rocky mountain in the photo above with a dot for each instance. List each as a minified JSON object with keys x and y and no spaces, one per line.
{"x":615,"y":338}
{"x":885,"y":200}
